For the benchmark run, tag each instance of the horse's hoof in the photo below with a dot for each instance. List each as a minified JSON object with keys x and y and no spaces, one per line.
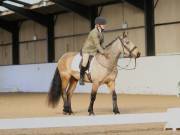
{"x":91,"y":113}
{"x":116,"y":112}
{"x":71,"y":113}
{"x":68,"y":112}
{"x":65,"y":113}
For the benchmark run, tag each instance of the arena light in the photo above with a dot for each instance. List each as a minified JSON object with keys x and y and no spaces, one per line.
{"x":125,"y":25}
{"x":124,"y":22}
{"x":35,"y":37}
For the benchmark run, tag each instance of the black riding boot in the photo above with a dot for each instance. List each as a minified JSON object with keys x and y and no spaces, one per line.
{"x":82,"y":73}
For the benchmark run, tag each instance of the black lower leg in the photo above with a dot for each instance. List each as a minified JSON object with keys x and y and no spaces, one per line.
{"x":69,"y":103}
{"x":93,"y":98}
{"x":66,"y":107}
{"x":115,"y":107}
{"x":66,"y":104}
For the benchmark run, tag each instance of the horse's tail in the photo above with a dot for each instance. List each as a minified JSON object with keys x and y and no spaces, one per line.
{"x":55,"y":91}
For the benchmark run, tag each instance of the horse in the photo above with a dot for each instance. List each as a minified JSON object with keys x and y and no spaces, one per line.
{"x":103,"y":71}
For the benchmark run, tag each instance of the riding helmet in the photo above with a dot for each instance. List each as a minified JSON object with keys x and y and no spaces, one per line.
{"x":100,"y":20}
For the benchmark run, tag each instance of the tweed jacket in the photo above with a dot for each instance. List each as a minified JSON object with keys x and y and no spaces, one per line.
{"x":93,"y":42}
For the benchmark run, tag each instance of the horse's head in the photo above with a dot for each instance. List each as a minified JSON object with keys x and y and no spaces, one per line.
{"x":128,"y":49}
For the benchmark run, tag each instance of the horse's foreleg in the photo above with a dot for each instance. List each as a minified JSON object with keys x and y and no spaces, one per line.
{"x":115,"y":106}
{"x":93,"y":98}
{"x":111,"y":86}
{"x":72,"y":86}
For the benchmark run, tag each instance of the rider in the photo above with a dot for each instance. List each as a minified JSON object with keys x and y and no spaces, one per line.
{"x":92,"y":45}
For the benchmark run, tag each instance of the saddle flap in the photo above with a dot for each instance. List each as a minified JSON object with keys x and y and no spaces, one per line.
{"x":77,"y":60}
{"x":88,"y":64}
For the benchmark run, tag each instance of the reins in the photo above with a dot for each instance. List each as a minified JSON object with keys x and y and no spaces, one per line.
{"x":130,"y":55}
{"x":127,"y":66}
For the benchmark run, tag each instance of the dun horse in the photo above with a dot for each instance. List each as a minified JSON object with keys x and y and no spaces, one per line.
{"x":103,"y":71}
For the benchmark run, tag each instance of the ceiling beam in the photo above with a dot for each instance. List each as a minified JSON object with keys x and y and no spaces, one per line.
{"x":50,"y":40}
{"x":78,"y":8}
{"x":15,"y":45}
{"x":149,"y":28}
{"x":21,"y":2}
{"x":94,"y":14}
{"x":13,"y":28}
{"x":137,"y":3}
{"x":108,"y":3}
{"x":40,"y":18}
{"x":7,"y":25}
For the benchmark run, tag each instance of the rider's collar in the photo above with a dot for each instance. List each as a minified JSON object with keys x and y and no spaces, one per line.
{"x":99,"y":29}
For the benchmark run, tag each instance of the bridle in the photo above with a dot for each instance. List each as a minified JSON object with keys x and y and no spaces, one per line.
{"x":130,"y":54}
{"x":123,"y":46}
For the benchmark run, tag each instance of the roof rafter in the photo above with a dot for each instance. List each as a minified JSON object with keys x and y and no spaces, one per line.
{"x":82,"y":10}
{"x":40,"y":18}
{"x":7,"y":25}
{"x":109,"y":3}
{"x":137,"y":3}
{"x":45,"y":20}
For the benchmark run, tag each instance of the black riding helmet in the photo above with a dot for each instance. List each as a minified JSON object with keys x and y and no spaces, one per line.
{"x":100,"y":20}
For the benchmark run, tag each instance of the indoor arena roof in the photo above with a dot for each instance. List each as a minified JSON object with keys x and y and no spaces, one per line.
{"x":53,"y":6}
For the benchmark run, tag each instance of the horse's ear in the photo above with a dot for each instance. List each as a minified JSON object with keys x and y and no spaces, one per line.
{"x":125,"y":34}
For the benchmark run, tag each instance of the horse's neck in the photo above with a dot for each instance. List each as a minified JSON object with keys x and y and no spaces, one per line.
{"x":113,"y":52}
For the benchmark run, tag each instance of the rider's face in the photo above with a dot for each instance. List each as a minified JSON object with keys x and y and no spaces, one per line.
{"x":103,"y":26}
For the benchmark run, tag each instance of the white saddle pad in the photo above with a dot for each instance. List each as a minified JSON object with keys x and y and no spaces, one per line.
{"x":76,"y":61}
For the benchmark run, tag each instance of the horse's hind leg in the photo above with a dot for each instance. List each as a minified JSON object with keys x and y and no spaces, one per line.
{"x":111,"y":86}
{"x":71,"y":88}
{"x":65,"y":82}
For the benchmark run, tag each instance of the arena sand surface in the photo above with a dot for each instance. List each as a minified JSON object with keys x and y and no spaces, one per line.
{"x":20,"y":105}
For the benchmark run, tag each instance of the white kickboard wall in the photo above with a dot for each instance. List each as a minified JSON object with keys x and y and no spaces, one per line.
{"x":153,"y":75}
